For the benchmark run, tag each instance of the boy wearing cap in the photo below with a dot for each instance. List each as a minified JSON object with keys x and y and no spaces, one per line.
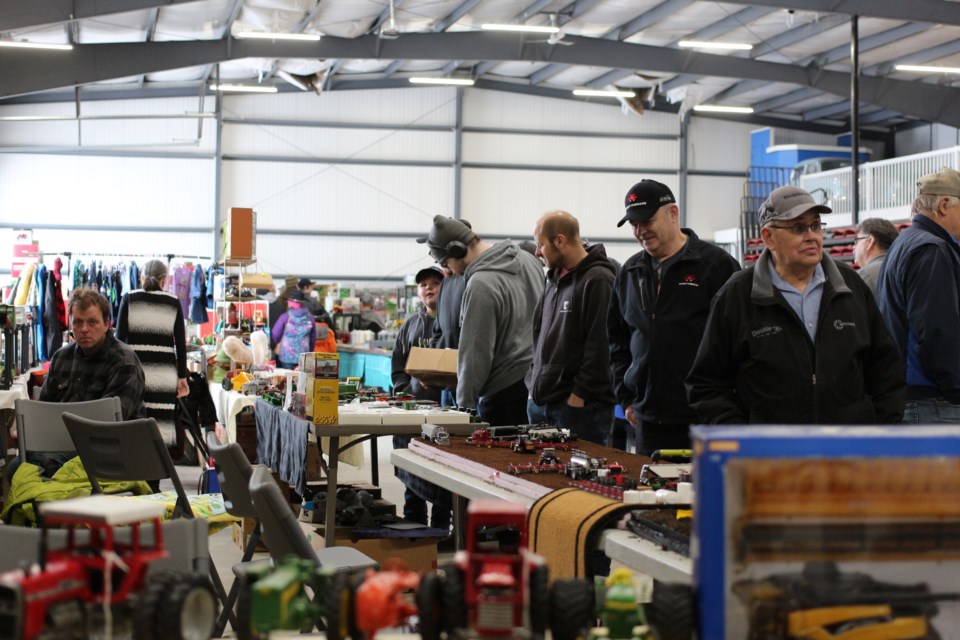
{"x":658,"y":309}
{"x":417,"y":330}
{"x":797,"y":338}
{"x":919,"y":297}
{"x":503,"y":285}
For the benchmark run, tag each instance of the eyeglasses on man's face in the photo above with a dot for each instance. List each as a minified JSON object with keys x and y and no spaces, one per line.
{"x":859,"y":238}
{"x":799,"y":228}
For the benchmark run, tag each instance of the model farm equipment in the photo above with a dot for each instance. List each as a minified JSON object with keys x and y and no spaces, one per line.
{"x":497,"y":587}
{"x":823,"y":602}
{"x":98,"y":583}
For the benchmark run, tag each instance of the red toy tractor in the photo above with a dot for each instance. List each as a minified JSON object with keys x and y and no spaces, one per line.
{"x":98,"y":585}
{"x":496,"y":586}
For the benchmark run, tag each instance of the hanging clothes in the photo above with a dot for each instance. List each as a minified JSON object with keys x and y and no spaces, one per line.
{"x":55,"y":309}
{"x":182,"y":276}
{"x":211,"y":274}
{"x":198,"y":296}
{"x":41,"y":282}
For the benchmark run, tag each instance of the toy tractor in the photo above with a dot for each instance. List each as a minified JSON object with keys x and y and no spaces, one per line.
{"x":97,"y":585}
{"x":822,"y":602}
{"x":618,"y":608}
{"x":497,"y":587}
{"x":360,"y":605}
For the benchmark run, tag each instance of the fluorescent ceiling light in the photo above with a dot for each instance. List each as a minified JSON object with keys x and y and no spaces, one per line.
{"x":35,"y":45}
{"x":463,"y":82}
{"x":523,"y":28}
{"x":292,"y":79}
{"x":727,"y":46}
{"x":926,"y":69}
{"x":716,"y":108}
{"x":266,"y":35}
{"x":244,"y":88}
{"x":602,"y":93}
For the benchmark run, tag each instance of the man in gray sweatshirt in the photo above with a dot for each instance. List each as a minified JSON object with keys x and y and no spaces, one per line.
{"x":503,"y":286}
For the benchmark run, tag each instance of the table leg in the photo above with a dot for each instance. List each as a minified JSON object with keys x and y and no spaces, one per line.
{"x":374,"y":462}
{"x":459,"y":520}
{"x":330,"y":522}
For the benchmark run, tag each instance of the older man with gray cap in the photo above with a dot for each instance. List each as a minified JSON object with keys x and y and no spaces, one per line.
{"x":797,"y":338}
{"x":919,"y":297}
{"x":658,"y":309}
{"x":503,"y":286}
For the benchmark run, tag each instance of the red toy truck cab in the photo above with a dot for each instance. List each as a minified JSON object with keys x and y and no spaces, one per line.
{"x":61,"y":596}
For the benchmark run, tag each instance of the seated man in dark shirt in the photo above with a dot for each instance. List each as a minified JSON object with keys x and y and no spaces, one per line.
{"x":96,"y":365}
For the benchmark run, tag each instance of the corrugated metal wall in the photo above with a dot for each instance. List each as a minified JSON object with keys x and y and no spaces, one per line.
{"x":344,"y":182}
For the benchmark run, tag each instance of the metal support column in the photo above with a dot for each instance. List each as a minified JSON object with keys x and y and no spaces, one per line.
{"x":218,"y":169}
{"x":458,"y":154}
{"x":855,"y":117}
{"x":684,"y":127}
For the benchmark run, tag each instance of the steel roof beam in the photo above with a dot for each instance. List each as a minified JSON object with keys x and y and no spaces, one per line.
{"x":731,"y":22}
{"x":622,"y":32}
{"x":439,"y":27}
{"x":26,"y":14}
{"x":933,"y":11}
{"x":26,"y":73}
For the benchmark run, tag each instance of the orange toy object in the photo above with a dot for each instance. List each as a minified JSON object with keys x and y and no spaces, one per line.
{"x":385,"y":599}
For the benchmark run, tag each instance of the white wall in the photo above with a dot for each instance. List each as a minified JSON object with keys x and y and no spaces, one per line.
{"x":926,"y":138}
{"x":347,"y":196}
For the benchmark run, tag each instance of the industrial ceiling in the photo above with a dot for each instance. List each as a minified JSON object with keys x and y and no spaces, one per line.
{"x":798,"y":70}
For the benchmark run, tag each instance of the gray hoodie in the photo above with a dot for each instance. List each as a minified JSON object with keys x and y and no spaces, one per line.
{"x":504,"y":285}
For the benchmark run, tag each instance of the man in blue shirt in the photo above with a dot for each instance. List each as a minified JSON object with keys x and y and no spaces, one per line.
{"x":798,"y":338}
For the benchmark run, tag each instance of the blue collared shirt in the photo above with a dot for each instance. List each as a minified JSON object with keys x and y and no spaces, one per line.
{"x":806,"y":303}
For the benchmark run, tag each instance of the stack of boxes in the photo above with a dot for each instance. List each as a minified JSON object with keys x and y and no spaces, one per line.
{"x":320,"y":384}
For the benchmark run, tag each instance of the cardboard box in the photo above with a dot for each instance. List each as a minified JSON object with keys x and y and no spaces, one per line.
{"x":420,"y":554}
{"x":238,"y":239}
{"x":319,"y":381}
{"x":256,"y":280}
{"x":437,"y":367}
{"x":242,"y":532}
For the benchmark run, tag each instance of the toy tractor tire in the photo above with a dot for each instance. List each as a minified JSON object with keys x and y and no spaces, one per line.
{"x":339,"y":606}
{"x":571,"y":609}
{"x":189,"y":610}
{"x":65,"y":620}
{"x":671,"y":613}
{"x":428,"y":606}
{"x":538,"y":591}
{"x":452,"y":599}
{"x":148,"y":604}
{"x":245,"y":630}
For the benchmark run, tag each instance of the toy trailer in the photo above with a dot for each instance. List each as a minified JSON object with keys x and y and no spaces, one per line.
{"x":63,"y":594}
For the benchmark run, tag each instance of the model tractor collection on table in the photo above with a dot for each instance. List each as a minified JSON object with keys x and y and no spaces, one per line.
{"x":98,"y":584}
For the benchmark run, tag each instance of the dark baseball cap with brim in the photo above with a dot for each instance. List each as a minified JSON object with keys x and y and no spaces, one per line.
{"x":444,"y":231}
{"x":788,"y":203}
{"x":426,"y":272}
{"x":644,"y":199}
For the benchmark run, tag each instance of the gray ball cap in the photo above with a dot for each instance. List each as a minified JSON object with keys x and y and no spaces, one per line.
{"x":787,"y":203}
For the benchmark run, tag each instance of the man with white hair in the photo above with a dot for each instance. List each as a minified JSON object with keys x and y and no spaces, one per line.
{"x":919,"y":297}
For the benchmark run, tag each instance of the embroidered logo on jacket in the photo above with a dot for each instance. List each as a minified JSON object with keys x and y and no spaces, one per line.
{"x":565,"y":307}
{"x":689,"y":280}
{"x":840,"y":325}
{"x":766,"y":332}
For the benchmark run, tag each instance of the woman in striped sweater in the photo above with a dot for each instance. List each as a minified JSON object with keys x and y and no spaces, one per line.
{"x":151,"y":321}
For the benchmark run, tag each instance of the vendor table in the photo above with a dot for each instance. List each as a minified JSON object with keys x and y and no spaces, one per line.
{"x":623,"y":546}
{"x":282,"y":440}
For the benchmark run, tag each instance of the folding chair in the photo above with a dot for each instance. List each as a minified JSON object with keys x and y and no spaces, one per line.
{"x":233,"y":472}
{"x":284,"y":537}
{"x":129,"y":450}
{"x":40,"y":428}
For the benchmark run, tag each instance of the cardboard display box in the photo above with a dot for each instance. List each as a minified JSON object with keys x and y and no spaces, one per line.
{"x":256,"y":280}
{"x":242,"y":532}
{"x":436,"y":367}
{"x":239,"y":234}
{"x":420,"y":554}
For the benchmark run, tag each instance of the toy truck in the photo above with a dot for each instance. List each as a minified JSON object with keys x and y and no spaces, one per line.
{"x":69,"y":593}
{"x":497,"y":587}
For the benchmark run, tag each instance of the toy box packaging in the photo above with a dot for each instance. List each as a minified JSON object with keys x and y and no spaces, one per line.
{"x":827,"y":532}
{"x":320,"y":382}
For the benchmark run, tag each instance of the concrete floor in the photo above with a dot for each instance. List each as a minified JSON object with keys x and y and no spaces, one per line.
{"x":225,"y":553}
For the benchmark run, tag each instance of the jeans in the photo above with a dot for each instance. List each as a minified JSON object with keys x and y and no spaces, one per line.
{"x":506,"y":407}
{"x":931,"y":412}
{"x":658,"y":435}
{"x":448,"y":398}
{"x":591,"y":423}
{"x":415,"y":510}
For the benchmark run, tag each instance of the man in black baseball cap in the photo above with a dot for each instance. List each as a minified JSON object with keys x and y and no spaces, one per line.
{"x":658,"y":309}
